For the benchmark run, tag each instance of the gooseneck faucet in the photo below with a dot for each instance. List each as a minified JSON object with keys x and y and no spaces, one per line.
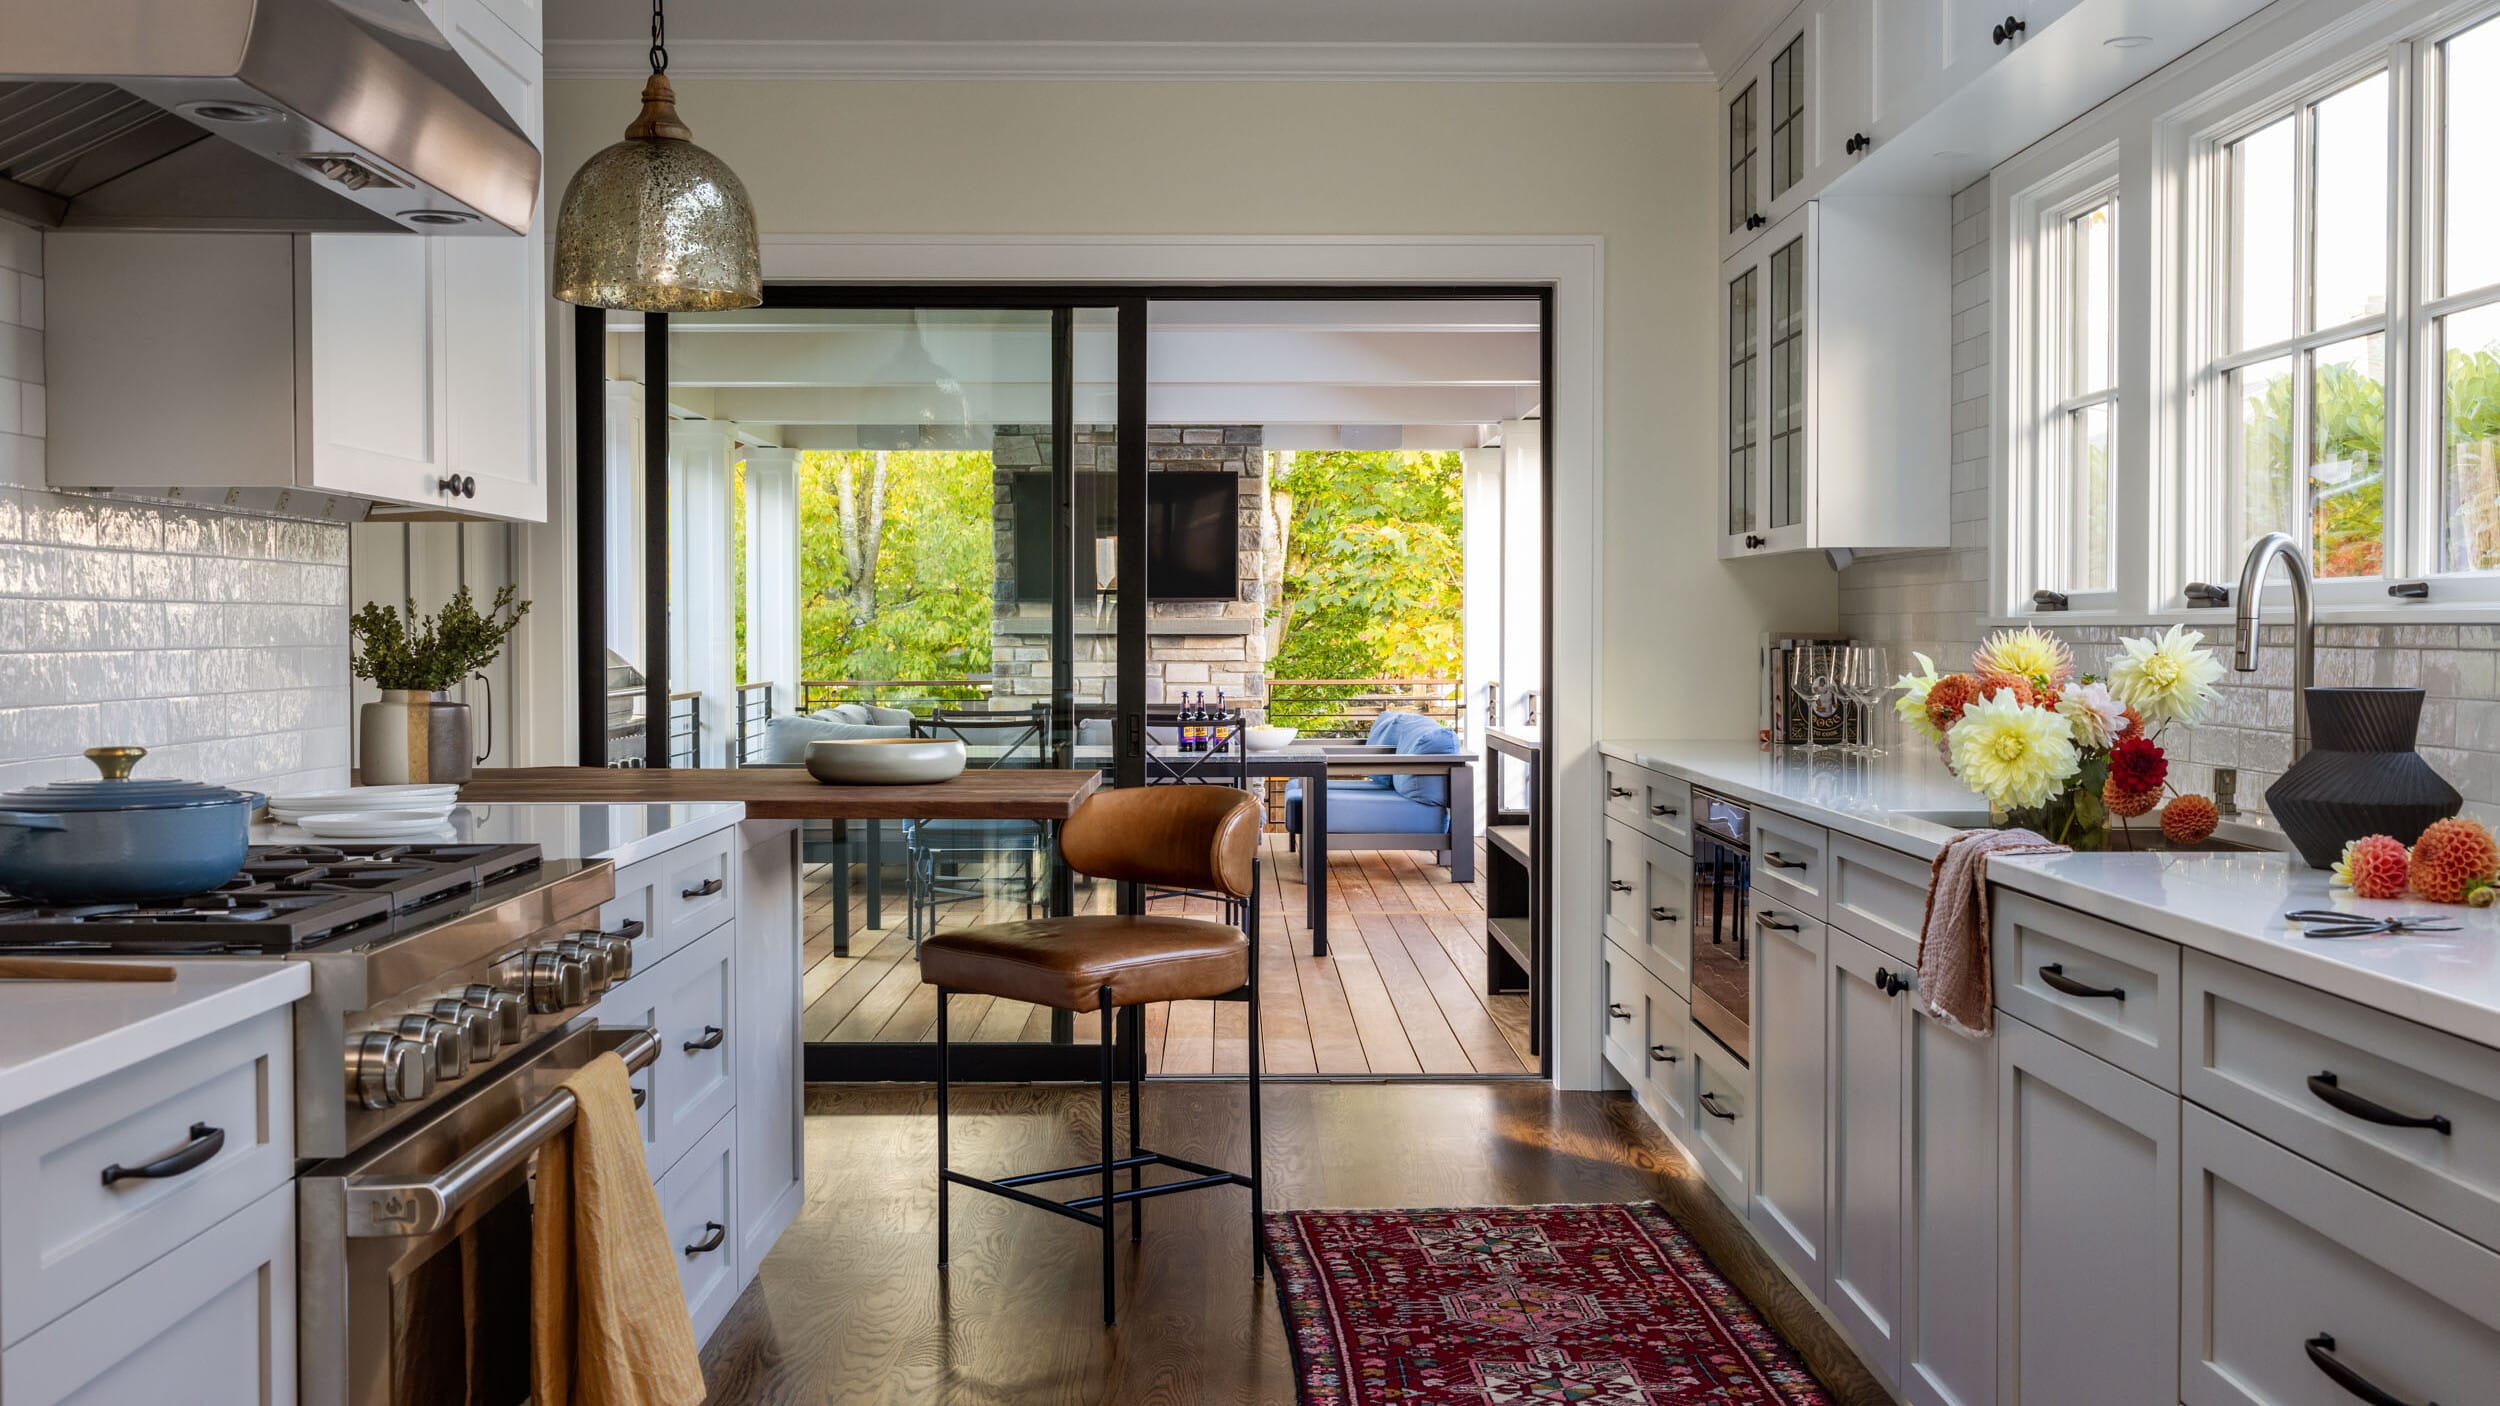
{"x":2267,"y":550}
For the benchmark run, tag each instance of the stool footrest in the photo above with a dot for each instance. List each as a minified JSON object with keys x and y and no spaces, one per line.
{"x":1078,"y":1209}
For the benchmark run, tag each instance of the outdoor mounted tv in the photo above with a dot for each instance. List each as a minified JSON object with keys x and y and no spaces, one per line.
{"x":1193,"y":533}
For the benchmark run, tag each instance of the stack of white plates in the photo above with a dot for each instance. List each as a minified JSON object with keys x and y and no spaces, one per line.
{"x":369,"y":812}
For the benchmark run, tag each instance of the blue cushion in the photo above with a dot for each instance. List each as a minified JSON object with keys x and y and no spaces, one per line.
{"x":1358,"y":807}
{"x":1414,"y":735}
{"x":786,"y":737}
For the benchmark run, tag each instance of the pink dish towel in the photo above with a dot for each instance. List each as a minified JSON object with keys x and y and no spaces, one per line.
{"x":1954,"y":977}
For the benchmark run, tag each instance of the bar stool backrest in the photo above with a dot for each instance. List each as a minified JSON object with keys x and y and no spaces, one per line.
{"x":1188,"y":837}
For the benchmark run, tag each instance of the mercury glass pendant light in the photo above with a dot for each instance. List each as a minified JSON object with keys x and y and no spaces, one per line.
{"x":656,"y":223}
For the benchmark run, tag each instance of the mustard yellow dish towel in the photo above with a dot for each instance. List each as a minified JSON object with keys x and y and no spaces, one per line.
{"x":608,"y":1323}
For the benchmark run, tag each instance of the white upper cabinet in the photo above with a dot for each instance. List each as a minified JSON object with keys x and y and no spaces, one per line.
{"x":1790,"y":115}
{"x":404,"y":370}
{"x":1835,"y":364}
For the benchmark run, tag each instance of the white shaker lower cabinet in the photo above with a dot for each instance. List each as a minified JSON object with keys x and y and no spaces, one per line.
{"x":1949,"y":1216}
{"x":765,"y":1063}
{"x":2087,"y":1228}
{"x":2305,"y":1288}
{"x":698,"y":1202}
{"x":1866,"y":1117}
{"x":1788,"y":1031}
{"x":212,"y":1323}
{"x":1723,"y":1131}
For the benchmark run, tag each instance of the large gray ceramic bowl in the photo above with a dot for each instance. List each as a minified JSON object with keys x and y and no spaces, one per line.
{"x":885,"y":761}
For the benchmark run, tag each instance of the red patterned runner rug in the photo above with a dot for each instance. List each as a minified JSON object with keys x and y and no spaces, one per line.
{"x":1495,"y":1305}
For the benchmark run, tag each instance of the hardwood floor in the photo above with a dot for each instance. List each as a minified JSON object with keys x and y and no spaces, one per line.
{"x":851,"y":1307}
{"x":1401,"y":991}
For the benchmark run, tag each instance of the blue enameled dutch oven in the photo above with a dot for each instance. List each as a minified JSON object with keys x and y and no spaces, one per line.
{"x":118,"y":840}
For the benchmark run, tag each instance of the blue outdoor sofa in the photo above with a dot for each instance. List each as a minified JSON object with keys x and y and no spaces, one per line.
{"x":1404,"y":810}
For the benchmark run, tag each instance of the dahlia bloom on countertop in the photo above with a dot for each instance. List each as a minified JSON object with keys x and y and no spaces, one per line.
{"x":2059,"y":751}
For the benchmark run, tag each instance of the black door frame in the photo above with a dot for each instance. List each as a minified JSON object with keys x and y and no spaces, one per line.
{"x":1061,"y":1060}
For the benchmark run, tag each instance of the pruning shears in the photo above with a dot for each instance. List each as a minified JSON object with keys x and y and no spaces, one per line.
{"x":2329,"y":922}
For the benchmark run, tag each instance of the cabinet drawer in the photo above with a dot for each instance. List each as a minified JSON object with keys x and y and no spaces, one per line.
{"x":1667,"y":1051}
{"x":1790,"y":863}
{"x":2292,"y":1273}
{"x":1878,"y":896}
{"x":1649,"y":918}
{"x":691,"y":1083}
{"x":2110,"y":990}
{"x":1623,"y":790}
{"x":66,"y":1234}
{"x":1723,"y":1131}
{"x":697,"y":1205}
{"x":692,"y":890}
{"x":630,"y":913}
{"x":210,"y":1324}
{"x":2270,"y":1055}
{"x":1623,"y":985}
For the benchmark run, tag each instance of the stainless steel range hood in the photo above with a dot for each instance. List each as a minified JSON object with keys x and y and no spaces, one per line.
{"x":313,"y":115}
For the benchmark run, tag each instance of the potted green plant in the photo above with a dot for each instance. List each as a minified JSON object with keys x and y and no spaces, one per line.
{"x":416,"y":733}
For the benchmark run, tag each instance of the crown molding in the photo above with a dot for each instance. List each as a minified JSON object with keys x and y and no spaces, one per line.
{"x":1136,"y":61}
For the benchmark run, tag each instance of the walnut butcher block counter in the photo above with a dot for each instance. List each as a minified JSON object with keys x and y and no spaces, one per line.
{"x":789,"y":793}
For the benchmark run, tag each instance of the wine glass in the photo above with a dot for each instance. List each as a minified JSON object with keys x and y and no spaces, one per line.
{"x":1865,"y":671}
{"x":1810,"y":678}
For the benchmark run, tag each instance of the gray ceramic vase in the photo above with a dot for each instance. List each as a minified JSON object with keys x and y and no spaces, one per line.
{"x":412,"y":736}
{"x":2361,"y":776}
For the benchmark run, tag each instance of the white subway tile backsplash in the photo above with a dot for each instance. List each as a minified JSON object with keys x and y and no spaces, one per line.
{"x":218,"y":641}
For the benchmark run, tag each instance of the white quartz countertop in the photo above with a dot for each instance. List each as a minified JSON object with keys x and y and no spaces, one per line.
{"x":2229,"y":905}
{"x":621,"y":834}
{"x":57,"y":1035}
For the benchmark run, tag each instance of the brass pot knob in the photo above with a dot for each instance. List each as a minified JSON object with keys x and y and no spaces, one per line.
{"x":115,"y":762}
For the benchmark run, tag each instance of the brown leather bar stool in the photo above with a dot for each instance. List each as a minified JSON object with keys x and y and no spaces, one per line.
{"x":1203,"y":838}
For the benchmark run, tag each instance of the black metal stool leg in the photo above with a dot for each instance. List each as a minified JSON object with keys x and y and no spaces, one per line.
{"x":1258,"y":1056}
{"x":1136,"y":1093}
{"x":1109,"y":1315}
{"x":941,"y":1082}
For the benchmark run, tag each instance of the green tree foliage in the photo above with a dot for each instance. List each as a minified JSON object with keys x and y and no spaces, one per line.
{"x":1373,"y":566}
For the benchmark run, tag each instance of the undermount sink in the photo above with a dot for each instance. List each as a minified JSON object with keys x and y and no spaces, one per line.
{"x":2141,"y":836}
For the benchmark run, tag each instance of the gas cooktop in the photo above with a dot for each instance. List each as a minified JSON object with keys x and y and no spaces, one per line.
{"x":289,"y":898}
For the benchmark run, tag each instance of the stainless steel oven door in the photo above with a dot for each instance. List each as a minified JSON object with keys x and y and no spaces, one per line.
{"x":414,"y":1254}
{"x":1722,"y":957}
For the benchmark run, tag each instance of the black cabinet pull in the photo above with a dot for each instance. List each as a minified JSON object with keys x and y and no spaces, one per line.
{"x":2055,"y":975}
{"x":1658,"y":1054}
{"x":1710,"y":1105}
{"x":630,"y":929}
{"x":1662,"y":811}
{"x":1778,"y":860}
{"x":1619,"y":885}
{"x":1662,"y":915}
{"x":1858,"y":142}
{"x":1615,"y":1009}
{"x":1755,"y":543}
{"x":2322,"y":1356}
{"x":1890,"y":982}
{"x":1771,"y":920}
{"x":641,"y":1098}
{"x":206,"y":1142}
{"x":702,"y":890}
{"x":1756,"y":221}
{"x":2004,"y":33}
{"x":1619,"y":792}
{"x":714,"y":1234}
{"x":712,"y":1037}
{"x":2343,"y":1100}
{"x":458,"y":485}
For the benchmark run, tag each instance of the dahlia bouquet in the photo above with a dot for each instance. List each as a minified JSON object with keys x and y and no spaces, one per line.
{"x":2061,"y":752}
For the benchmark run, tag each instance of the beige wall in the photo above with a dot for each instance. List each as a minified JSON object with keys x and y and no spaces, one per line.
{"x":1631,"y":162}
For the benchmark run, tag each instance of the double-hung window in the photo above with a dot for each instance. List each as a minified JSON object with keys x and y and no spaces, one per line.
{"x":2461,"y":310}
{"x":2300,"y":375}
{"x":2078,"y":435}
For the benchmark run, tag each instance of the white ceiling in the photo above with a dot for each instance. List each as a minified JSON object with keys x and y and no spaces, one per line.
{"x":1400,"y":22}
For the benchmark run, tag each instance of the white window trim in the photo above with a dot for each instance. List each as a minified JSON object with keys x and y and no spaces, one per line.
{"x":2165,"y":222}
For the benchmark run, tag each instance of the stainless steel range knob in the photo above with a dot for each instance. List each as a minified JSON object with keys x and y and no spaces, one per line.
{"x":594,"y":960}
{"x":506,"y":1012}
{"x":557,"y":982}
{"x":475,"y":1024}
{"x":384,"y":1069}
{"x":442,"y":1042}
{"x":619,"y":945}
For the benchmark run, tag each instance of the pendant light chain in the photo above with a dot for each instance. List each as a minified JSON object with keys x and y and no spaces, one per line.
{"x":659,"y":39}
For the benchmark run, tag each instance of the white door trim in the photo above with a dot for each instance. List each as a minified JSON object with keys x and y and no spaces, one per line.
{"x":1573,"y":265}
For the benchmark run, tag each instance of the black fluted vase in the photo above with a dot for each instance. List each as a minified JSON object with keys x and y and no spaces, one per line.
{"x":2361,"y":776}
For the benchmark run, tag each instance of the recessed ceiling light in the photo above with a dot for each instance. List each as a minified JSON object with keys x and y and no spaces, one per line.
{"x":438,"y":217}
{"x":2127,"y":41}
{"x":235,"y":112}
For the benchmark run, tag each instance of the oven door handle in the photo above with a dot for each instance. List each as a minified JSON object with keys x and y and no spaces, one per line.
{"x":391,"y":1208}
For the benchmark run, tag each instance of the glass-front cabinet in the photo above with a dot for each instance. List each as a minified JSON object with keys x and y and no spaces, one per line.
{"x":1835,"y":366}
{"x":1770,"y":353}
{"x":1795,"y":116}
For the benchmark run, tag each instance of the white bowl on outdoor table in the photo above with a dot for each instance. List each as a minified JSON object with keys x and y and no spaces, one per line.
{"x":1271,"y":739}
{"x":885,"y":761}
